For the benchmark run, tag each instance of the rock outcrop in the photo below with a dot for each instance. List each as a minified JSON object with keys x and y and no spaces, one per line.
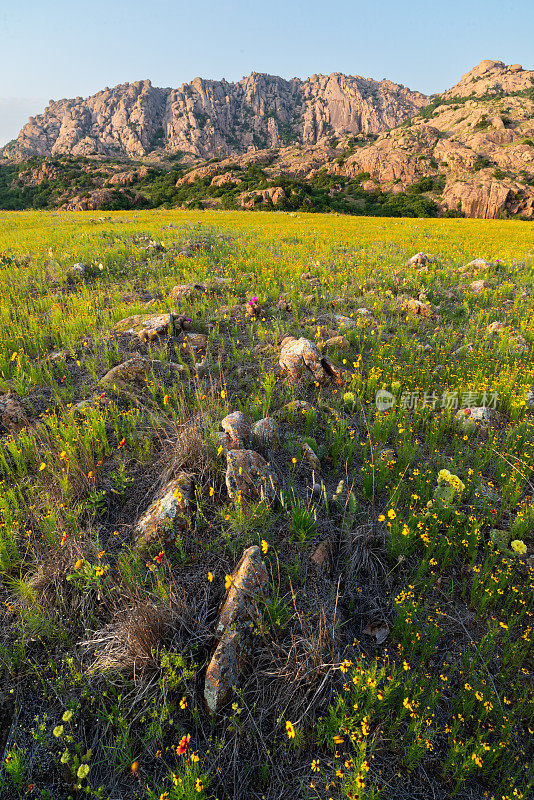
{"x":214,"y":118}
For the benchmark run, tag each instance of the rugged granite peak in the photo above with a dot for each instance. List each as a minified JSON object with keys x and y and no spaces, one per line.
{"x":206,"y":118}
{"x":491,"y":77}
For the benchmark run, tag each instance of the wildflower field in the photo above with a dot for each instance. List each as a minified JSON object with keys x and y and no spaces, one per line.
{"x":385,"y":650}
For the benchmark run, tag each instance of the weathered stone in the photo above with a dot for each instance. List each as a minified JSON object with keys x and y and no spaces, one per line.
{"x":185,"y":290}
{"x":476,"y":418}
{"x":417,"y":307}
{"x":249,"y":583}
{"x":12,"y":413}
{"x":344,"y":322}
{"x":296,"y":407}
{"x":478,"y":286}
{"x":311,"y":457}
{"x":266,"y":433}
{"x":418,"y":259}
{"x":169,"y":515}
{"x":321,"y":557}
{"x":57,"y":356}
{"x":248,"y":475}
{"x":76,"y":273}
{"x":300,"y":359}
{"x":496,"y":327}
{"x":237,"y":429}
{"x":145,"y":326}
{"x":336,"y":343}
{"x":134,"y":370}
{"x":224,"y":669}
{"x":196,"y":343}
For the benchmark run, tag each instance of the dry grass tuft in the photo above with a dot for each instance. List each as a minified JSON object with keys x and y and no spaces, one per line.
{"x":130,"y":644}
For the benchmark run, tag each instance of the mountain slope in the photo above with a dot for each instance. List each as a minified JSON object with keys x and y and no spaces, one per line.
{"x":474,"y":143}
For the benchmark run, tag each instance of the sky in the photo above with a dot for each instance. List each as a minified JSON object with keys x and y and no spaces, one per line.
{"x":50,"y":49}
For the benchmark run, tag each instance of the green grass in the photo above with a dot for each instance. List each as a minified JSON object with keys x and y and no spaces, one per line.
{"x":405,"y":667}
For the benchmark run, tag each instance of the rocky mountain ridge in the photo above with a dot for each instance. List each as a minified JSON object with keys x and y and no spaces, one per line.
{"x":207,"y":118}
{"x":329,"y":143}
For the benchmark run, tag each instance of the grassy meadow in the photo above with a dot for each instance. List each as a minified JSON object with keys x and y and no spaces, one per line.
{"x":401,"y":666}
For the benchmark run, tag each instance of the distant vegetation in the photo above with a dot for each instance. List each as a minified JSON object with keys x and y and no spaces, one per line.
{"x":69,"y":176}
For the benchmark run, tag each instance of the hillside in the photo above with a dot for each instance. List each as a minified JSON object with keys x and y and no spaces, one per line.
{"x":336,"y":143}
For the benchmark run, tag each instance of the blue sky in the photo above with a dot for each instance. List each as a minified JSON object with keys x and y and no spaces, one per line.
{"x":59,"y":48}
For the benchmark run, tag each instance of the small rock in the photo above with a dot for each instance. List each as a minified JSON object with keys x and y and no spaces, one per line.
{"x":311,"y":457}
{"x":496,"y":327}
{"x":417,"y":307}
{"x":301,"y":359}
{"x":237,"y":429}
{"x":201,"y":369}
{"x":296,"y":407}
{"x":465,"y":348}
{"x":145,"y":326}
{"x":321,"y":558}
{"x":336,"y":343}
{"x":478,"y":286}
{"x":475,"y":418}
{"x":169,"y":515}
{"x":76,"y":273}
{"x":249,"y":475}
{"x":266,"y":433}
{"x":196,"y":343}
{"x":344,"y":322}
{"x":12,"y":413}
{"x":57,"y":356}
{"x":417,"y":259}
{"x":284,"y":303}
{"x":477,"y":263}
{"x":133,"y":370}
{"x":185,"y":290}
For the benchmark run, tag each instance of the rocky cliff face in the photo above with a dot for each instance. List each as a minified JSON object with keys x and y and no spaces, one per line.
{"x":215,"y":118}
{"x":476,"y":142}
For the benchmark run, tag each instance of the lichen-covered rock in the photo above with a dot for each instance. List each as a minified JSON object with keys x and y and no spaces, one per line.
{"x":249,"y":583}
{"x":224,"y":669}
{"x":249,"y":475}
{"x":196,"y":343}
{"x":419,"y":259}
{"x":476,"y":418}
{"x":343,"y":322}
{"x":266,"y":433}
{"x":321,"y":558}
{"x":237,"y":430}
{"x":336,"y":343}
{"x":134,"y":370}
{"x":311,"y":457}
{"x":185,"y":290}
{"x":478,"y":263}
{"x":496,"y":327}
{"x":169,"y":515}
{"x":478,"y":286}
{"x":300,"y":359}
{"x":76,"y":273}
{"x":12,"y":413}
{"x":147,"y":327}
{"x":417,"y":307}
